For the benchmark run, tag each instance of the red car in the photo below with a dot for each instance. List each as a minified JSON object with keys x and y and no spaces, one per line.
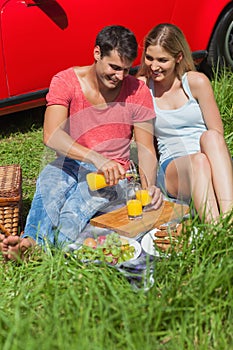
{"x":42,"y":37}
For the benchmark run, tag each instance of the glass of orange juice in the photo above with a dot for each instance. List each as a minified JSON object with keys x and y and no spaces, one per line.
{"x":145,"y":197}
{"x":134,"y":204}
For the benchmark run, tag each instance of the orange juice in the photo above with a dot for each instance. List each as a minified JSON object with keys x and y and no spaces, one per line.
{"x":96,"y":181}
{"x":134,"y":207}
{"x":144,"y":197}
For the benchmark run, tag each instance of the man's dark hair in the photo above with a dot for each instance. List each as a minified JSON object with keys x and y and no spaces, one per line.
{"x":117,"y":38}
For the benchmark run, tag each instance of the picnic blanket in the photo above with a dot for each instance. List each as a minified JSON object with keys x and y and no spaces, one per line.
{"x":140,"y":271}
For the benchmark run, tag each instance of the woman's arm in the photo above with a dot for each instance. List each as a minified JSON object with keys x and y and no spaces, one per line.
{"x":147,"y":160}
{"x":202,"y":90}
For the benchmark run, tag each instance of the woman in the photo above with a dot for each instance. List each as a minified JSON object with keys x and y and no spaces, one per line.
{"x":193,"y":156}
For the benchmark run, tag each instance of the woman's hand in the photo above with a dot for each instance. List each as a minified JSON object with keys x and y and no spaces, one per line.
{"x":157,"y":197}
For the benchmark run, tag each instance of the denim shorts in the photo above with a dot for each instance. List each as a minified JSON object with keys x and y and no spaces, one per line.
{"x":161,"y":177}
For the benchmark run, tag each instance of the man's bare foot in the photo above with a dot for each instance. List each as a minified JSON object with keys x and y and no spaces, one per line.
{"x":15,"y":247}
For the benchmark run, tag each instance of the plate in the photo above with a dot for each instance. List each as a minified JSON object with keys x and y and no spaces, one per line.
{"x":149,"y":247}
{"x":132,"y":243}
{"x":148,"y":244}
{"x":137,"y":247}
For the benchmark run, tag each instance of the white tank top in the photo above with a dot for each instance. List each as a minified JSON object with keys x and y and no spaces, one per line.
{"x":178,"y":131}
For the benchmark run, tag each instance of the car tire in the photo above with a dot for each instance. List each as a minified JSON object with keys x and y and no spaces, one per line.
{"x":220,"y":51}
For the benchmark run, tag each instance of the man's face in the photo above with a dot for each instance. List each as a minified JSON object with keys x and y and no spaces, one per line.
{"x":111,"y":69}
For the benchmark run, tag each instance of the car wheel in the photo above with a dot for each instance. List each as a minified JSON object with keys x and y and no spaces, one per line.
{"x":220,"y":51}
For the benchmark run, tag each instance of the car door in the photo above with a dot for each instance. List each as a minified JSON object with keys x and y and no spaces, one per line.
{"x":42,"y":37}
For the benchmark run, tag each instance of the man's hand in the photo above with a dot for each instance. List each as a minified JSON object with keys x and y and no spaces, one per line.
{"x":113,"y":171}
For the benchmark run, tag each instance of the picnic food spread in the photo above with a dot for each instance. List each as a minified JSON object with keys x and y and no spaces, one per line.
{"x":156,"y":234}
{"x":114,"y":249}
{"x":109,"y":248}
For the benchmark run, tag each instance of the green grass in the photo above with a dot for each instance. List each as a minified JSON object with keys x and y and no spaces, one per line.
{"x":55,"y":302}
{"x":21,"y":143}
{"x":222,"y":85}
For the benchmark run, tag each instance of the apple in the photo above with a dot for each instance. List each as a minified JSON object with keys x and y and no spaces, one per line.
{"x":90,"y":242}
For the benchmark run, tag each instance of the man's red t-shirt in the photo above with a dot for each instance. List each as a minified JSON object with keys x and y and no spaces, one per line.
{"x":106,"y":130}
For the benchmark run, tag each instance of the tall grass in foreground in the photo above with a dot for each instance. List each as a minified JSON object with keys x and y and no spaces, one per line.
{"x":55,"y":302}
{"x":222,"y":85}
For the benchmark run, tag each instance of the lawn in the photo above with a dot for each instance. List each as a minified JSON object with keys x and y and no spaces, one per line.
{"x":56,"y":302}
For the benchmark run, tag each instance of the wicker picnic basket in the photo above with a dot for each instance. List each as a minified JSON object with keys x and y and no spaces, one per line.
{"x":10,"y":199}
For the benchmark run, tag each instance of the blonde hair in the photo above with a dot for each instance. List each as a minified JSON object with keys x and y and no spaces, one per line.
{"x":171,"y":39}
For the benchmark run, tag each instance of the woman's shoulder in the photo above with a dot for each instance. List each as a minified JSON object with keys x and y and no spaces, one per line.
{"x":197,"y":81}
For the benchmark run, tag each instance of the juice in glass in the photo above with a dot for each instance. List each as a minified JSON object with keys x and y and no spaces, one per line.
{"x":134,"y":204}
{"x":144,"y":197}
{"x":134,"y":208}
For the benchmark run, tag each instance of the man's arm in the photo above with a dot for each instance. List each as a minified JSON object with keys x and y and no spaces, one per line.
{"x":56,"y":137}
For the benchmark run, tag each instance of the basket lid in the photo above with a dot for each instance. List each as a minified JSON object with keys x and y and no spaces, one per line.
{"x":10,"y":180}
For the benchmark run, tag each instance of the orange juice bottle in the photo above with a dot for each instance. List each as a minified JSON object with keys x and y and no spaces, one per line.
{"x":96,"y":181}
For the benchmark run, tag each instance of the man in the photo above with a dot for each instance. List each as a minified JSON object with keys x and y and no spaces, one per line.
{"x":91,"y":114}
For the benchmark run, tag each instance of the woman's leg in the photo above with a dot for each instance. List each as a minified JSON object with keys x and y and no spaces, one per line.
{"x":191,"y":177}
{"x":214,"y":147}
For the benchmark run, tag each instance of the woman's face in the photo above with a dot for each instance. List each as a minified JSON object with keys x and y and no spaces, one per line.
{"x":160,"y":63}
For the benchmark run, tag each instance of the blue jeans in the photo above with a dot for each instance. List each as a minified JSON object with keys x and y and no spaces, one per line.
{"x":63,"y":204}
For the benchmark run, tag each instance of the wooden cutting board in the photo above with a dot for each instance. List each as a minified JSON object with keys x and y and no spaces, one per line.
{"x":118,"y":221}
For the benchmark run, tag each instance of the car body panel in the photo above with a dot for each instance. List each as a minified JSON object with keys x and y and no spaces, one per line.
{"x":42,"y":37}
{"x":204,"y":17}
